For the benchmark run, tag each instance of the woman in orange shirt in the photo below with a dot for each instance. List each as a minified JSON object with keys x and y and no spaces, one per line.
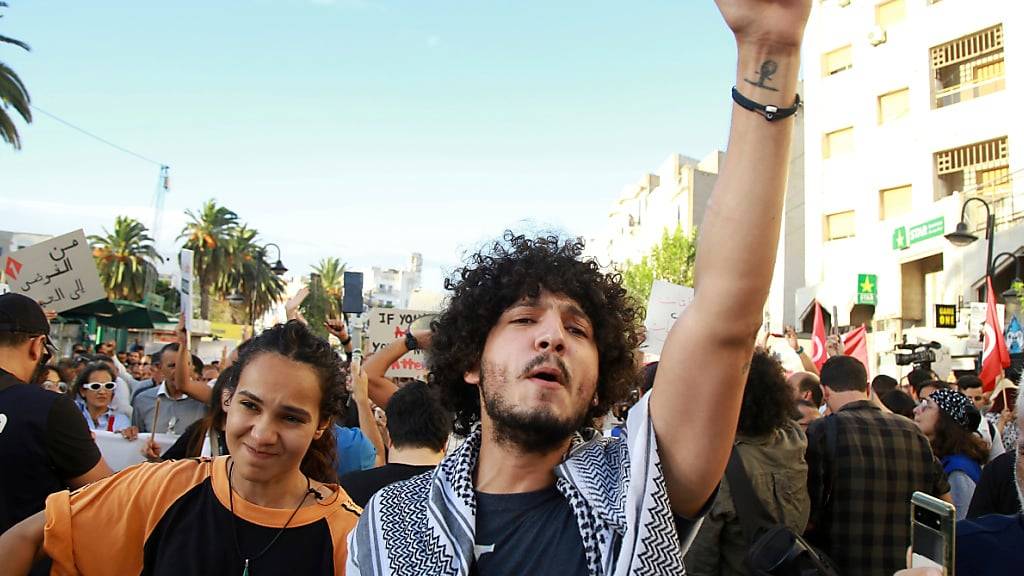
{"x":266,"y":509}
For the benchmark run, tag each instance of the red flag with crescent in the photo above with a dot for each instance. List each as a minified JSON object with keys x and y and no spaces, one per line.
{"x":819,"y":353}
{"x":995,"y":356}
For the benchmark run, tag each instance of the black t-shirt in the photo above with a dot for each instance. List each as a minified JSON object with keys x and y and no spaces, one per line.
{"x":362,"y":485}
{"x":527,"y":533}
{"x":44,"y":441}
{"x":996,"y":492}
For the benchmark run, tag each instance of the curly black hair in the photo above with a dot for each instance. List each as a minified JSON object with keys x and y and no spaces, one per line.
{"x":498,"y":277}
{"x":767,"y":398}
{"x":295,"y":341}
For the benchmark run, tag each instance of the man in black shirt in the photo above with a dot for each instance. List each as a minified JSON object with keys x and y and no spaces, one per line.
{"x":996,"y":492}
{"x":45,"y":444}
{"x":418,"y":428}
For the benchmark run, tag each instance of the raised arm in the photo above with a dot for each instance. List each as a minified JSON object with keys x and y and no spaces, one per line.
{"x":381,"y":387}
{"x":367,"y":423}
{"x":183,"y":368}
{"x":697,"y":393}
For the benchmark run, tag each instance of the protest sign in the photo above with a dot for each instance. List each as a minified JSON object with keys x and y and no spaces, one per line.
{"x":186,"y":262}
{"x":389,"y":324}
{"x":59,"y":273}
{"x":664,"y":307}
{"x":120,"y":453}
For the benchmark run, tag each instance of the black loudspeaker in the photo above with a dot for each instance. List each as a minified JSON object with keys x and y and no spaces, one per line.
{"x":353,"y":300}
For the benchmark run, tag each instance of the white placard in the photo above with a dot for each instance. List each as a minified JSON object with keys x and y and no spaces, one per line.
{"x":59,"y":273}
{"x":664,"y":307}
{"x":120,"y":453}
{"x":186,"y":263}
{"x":389,"y":324}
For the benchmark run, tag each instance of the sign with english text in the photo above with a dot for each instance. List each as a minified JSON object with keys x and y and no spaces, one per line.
{"x":390,"y":324}
{"x":59,"y":273}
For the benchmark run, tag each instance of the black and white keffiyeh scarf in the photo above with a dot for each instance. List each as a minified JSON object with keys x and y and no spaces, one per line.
{"x":426,"y":525}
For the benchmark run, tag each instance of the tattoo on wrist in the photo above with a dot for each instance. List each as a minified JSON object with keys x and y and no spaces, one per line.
{"x":764,"y":75}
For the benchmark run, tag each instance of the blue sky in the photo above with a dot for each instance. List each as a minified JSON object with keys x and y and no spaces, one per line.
{"x":355,"y":128}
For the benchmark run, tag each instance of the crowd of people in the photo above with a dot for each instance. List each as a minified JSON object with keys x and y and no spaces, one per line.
{"x":295,"y":457}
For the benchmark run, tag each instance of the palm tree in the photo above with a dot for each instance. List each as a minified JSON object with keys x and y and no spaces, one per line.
{"x":207,"y":234}
{"x":125,"y":257}
{"x":13,"y":94}
{"x":332,"y":277}
{"x":250,"y":274}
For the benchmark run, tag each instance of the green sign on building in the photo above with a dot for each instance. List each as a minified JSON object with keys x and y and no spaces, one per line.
{"x":902,"y":238}
{"x":867,"y":289}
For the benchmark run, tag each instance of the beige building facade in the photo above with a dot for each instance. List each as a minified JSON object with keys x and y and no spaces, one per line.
{"x":910,"y":109}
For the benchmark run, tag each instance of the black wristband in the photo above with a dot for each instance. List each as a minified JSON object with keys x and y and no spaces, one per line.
{"x":346,"y":341}
{"x":767,"y":110}
{"x":410,"y":342}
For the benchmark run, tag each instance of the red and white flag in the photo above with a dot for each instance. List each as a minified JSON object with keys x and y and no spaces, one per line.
{"x":855,"y":343}
{"x":819,"y":353}
{"x":995,"y":356}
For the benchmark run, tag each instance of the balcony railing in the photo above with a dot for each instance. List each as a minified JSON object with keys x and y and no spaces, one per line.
{"x":968,"y":91}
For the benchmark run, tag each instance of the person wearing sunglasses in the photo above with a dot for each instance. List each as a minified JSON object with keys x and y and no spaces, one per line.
{"x":93,"y":391}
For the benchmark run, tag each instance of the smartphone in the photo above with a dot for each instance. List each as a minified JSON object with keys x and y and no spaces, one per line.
{"x":932,"y":533}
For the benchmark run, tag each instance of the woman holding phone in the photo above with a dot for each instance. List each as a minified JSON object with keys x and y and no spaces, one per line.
{"x":263,"y":509}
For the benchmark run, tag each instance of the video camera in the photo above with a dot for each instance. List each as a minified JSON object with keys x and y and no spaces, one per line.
{"x":921,"y":354}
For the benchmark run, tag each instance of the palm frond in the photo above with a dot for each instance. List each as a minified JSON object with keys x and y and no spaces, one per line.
{"x":18,"y":43}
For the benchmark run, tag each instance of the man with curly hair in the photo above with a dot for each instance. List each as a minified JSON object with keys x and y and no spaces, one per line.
{"x":536,"y":342}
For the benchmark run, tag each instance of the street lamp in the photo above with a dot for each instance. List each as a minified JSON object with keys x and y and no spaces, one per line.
{"x":278,"y":267}
{"x":1009,"y":292}
{"x":962,"y":237}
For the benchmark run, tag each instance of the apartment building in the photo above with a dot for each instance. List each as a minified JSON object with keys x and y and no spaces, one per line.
{"x":910,"y":110}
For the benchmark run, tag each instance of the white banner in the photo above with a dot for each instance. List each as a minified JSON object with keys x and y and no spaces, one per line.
{"x":186,"y":262}
{"x":389,"y":324}
{"x":59,"y":273}
{"x":664,"y":307}
{"x":120,"y":453}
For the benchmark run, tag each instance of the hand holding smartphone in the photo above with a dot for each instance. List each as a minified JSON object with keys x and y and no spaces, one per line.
{"x":932,"y":533}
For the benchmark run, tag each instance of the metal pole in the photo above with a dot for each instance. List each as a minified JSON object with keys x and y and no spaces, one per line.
{"x":990,"y":233}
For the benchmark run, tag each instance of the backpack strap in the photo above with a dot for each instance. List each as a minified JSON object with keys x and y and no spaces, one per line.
{"x":753,"y":516}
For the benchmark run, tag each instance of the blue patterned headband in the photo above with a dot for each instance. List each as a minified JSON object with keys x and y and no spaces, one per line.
{"x":954,"y":404}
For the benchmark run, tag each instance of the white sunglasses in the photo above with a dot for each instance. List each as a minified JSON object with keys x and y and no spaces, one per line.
{"x":94,"y":386}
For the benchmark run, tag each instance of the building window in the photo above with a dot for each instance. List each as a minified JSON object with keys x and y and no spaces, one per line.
{"x":968,"y":67}
{"x":837,"y":60}
{"x":893,"y":105}
{"x":894,"y":202}
{"x":840,"y":225}
{"x":973,"y":168}
{"x":838,"y":142}
{"x":891,"y":12}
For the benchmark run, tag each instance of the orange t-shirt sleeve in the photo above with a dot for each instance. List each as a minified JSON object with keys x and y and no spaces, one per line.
{"x":101,"y":529}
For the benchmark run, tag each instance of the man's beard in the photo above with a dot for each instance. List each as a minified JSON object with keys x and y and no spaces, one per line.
{"x":534,"y":432}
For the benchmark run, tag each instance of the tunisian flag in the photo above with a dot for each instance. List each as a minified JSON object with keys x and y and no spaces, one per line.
{"x":855,"y":343}
{"x":819,"y":353}
{"x":995,"y":356}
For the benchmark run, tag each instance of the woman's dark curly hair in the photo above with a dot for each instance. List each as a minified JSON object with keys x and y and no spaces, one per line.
{"x":498,"y":277}
{"x":295,"y":341}
{"x":767,"y":399}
